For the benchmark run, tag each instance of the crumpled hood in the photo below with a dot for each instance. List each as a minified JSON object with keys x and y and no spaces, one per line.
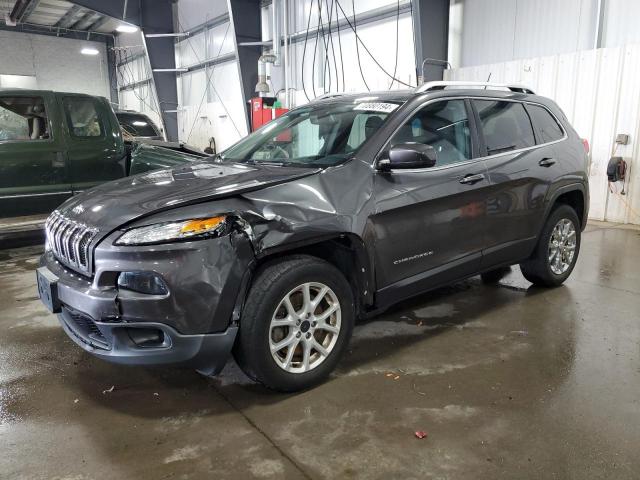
{"x":112,"y":204}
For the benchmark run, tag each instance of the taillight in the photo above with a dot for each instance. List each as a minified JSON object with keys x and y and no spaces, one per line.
{"x":585,"y":144}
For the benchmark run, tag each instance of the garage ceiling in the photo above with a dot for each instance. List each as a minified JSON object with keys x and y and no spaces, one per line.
{"x":56,"y":14}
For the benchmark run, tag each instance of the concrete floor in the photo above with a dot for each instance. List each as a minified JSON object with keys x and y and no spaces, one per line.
{"x":508,"y":381}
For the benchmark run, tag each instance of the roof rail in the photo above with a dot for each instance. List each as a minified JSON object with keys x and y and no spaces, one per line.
{"x":429,"y":86}
{"x":328,"y":95}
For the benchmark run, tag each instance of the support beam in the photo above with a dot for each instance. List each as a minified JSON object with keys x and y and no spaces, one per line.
{"x":52,"y":31}
{"x":115,"y":8}
{"x":18,"y":9}
{"x":111,"y":68}
{"x":157,"y":17}
{"x":68,"y":18}
{"x":245,"y":23}
{"x":431,"y":35}
{"x":98,"y":23}
{"x":152,"y":16}
{"x":83,"y":19}
{"x":26,"y":8}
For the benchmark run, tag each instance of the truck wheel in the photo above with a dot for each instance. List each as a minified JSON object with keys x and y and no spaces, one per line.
{"x":296,"y":323}
{"x":557,"y":251}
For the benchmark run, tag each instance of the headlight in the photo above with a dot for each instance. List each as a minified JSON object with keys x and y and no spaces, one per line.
{"x":172,"y":231}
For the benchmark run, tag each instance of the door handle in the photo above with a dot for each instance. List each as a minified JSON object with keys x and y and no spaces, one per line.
{"x":546,"y":162}
{"x":471,"y":179}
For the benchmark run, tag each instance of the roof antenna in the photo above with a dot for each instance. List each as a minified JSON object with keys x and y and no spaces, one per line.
{"x":488,"y":78}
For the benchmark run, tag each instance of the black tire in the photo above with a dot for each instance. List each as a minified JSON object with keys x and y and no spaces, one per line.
{"x":272,"y":283}
{"x":538,"y":268}
{"x":494,"y":276}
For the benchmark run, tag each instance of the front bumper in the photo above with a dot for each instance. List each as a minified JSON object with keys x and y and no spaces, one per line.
{"x":193,"y":325}
{"x":115,"y":343}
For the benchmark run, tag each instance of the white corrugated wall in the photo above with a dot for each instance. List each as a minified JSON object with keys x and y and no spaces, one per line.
{"x":599,"y":90}
{"x":489,"y":31}
{"x":502,"y":30}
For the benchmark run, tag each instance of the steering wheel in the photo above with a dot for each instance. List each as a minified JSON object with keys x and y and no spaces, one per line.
{"x":273,"y":151}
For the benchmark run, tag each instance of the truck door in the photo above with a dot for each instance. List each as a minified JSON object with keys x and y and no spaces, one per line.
{"x":33,"y":172}
{"x":95,"y":148}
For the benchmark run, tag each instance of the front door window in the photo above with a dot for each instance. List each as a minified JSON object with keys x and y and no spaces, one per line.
{"x":443,"y":125}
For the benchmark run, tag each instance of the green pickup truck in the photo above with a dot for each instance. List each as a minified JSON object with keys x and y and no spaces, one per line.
{"x":54,"y":145}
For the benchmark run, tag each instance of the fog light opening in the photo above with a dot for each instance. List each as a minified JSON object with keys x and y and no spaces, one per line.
{"x":147,"y":337}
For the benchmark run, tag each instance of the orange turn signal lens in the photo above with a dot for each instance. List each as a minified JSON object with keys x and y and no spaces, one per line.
{"x":202,"y":225}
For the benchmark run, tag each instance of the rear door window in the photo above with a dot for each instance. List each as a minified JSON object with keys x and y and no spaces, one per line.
{"x":547,"y":127}
{"x":23,"y":119}
{"x":506,"y":126}
{"x":82,"y":117}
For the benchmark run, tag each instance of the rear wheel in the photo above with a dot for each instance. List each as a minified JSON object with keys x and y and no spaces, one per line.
{"x":557,"y":251}
{"x":296,"y":323}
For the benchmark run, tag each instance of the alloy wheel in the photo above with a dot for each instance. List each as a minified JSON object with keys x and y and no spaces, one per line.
{"x":305,"y":327}
{"x":562,"y":246}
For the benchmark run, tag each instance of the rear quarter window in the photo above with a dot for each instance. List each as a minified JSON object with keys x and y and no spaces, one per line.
{"x":547,"y":127}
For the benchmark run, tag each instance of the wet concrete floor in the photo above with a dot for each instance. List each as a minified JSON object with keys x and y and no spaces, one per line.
{"x":508,"y":381}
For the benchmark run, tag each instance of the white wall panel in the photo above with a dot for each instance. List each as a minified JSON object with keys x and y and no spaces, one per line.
{"x":191,"y":51}
{"x":502,"y":30}
{"x":216,"y":115}
{"x":220,"y":40}
{"x":621,"y":22}
{"x":192,"y":13}
{"x":598,"y":91}
{"x":56,"y":62}
{"x":488,"y":31}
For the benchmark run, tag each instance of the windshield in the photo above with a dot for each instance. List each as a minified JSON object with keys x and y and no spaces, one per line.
{"x":137,"y":125}
{"x":314,"y":136}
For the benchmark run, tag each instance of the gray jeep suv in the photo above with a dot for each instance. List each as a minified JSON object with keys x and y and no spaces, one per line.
{"x":330,"y":213}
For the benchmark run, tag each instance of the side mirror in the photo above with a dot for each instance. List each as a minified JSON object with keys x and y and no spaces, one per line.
{"x":409,"y":155}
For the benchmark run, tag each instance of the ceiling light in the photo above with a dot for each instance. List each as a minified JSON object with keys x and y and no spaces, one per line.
{"x":89,"y":51}
{"x":126,"y":28}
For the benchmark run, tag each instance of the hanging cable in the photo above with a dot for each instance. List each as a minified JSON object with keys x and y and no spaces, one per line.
{"x":353,"y":27}
{"x":326,"y":52}
{"x":313,"y":64}
{"x":395,"y":68}
{"x":340,"y":47}
{"x":358,"y":39}
{"x":304,"y":50}
{"x":333,"y":49}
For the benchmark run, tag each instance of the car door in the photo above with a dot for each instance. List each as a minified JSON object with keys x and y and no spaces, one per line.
{"x":429,"y":223}
{"x":518,"y":167}
{"x":33,"y":171}
{"x":94,"y":144}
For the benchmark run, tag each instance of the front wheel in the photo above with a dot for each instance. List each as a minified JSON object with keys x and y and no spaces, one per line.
{"x":557,"y":251}
{"x":296,"y":323}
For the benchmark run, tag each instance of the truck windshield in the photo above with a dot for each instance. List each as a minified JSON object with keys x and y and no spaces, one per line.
{"x":314,"y":136}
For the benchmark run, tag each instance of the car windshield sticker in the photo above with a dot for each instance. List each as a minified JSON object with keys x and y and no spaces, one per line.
{"x":376,"y":107}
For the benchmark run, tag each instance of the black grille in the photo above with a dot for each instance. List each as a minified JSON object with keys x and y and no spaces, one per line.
{"x":69,"y":241}
{"x":85,"y":329}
